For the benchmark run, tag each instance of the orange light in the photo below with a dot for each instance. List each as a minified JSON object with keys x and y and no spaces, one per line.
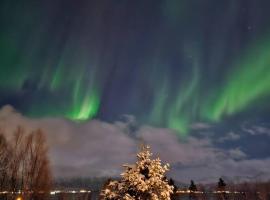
{"x":19,"y":198}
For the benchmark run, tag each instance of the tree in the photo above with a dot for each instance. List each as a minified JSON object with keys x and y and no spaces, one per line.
{"x":37,"y":168}
{"x":192,"y":186}
{"x":193,"y":189}
{"x":221,"y":188}
{"x":4,"y":163}
{"x":174,"y":195}
{"x":221,"y":185}
{"x":144,"y":180}
{"x":17,"y":155}
{"x":24,"y":164}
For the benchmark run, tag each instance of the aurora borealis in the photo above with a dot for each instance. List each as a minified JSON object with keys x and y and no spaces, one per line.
{"x":190,"y":78}
{"x":169,"y":63}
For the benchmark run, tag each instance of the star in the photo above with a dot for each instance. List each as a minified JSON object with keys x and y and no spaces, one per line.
{"x":250,"y":27}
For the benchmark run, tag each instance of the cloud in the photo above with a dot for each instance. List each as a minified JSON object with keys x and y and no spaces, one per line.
{"x":94,"y":148}
{"x":260,"y":130}
{"x":165,"y":143}
{"x":200,"y":126}
{"x":231,"y":136}
{"x":98,"y":148}
{"x":237,"y":154}
{"x":199,"y":159}
{"x":256,"y":130}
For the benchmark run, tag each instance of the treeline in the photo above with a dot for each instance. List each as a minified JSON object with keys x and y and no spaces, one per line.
{"x":228,"y":191}
{"x":24,"y":164}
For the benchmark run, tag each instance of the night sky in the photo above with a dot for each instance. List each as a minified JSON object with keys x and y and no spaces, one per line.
{"x":191,"y":78}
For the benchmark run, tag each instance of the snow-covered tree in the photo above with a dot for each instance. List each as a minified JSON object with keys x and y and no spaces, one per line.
{"x":143,"y":180}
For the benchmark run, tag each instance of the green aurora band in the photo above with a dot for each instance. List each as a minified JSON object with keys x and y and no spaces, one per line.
{"x":66,"y":65}
{"x":246,"y":83}
{"x":249,"y":82}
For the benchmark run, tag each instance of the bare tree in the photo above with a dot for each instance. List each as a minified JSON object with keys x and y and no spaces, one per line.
{"x":40,"y":174}
{"x":35,"y":165}
{"x":4,"y":163}
{"x":17,"y":153}
{"x":24,"y":164}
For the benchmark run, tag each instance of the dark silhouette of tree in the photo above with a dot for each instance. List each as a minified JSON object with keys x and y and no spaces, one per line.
{"x":174,"y":195}
{"x":221,"y":187}
{"x":172,"y":183}
{"x":192,"y":188}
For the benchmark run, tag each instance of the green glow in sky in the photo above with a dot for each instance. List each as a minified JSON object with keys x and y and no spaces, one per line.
{"x":170,"y":64}
{"x":87,"y":109}
{"x":174,"y":108}
{"x":247,"y":82}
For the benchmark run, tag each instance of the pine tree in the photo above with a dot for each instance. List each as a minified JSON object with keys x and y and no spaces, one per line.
{"x":192,"y":186}
{"x":193,"y":189}
{"x":221,"y":185}
{"x":145,"y":180}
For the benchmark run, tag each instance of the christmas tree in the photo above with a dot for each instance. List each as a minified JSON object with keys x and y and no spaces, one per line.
{"x":143,"y":180}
